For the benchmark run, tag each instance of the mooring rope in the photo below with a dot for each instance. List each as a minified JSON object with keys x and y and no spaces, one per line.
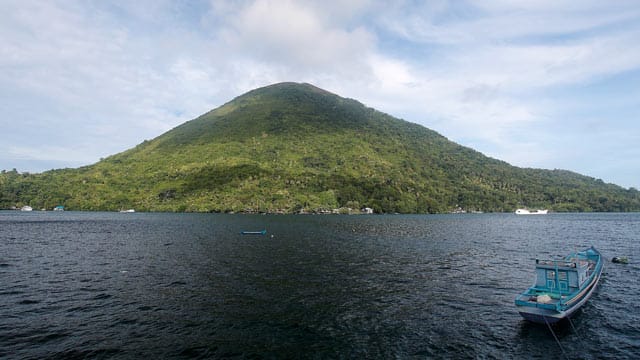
{"x":555,"y":337}
{"x":575,"y":331}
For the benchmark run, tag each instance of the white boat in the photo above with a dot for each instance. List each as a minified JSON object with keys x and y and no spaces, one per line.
{"x":26,"y":208}
{"x":531,"y":212}
{"x":128,"y":211}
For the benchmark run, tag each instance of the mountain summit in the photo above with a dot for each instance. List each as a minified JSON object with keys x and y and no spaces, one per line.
{"x":293,"y":147}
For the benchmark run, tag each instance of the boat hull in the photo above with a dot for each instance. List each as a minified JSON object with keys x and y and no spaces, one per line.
{"x":263,"y":232}
{"x":542,"y":318}
{"x":528,"y":212}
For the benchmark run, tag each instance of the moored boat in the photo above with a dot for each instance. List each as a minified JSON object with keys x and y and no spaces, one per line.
{"x":561,"y":287}
{"x":531,"y":212}
{"x":26,"y":208}
{"x":262,"y":232}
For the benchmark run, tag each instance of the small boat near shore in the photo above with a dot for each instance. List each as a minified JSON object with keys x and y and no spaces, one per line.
{"x":531,"y":212}
{"x":26,"y":208}
{"x":561,"y":287}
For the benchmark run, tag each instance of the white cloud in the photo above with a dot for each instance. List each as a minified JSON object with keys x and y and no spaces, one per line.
{"x":390,"y":74}
{"x":93,"y":78}
{"x":48,"y":152}
{"x":292,"y":35}
{"x":491,"y":66}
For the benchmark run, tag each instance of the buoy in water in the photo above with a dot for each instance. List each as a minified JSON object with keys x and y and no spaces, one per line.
{"x":620,"y":260}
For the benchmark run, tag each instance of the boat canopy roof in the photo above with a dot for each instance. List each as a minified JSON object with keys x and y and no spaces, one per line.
{"x":562,"y":264}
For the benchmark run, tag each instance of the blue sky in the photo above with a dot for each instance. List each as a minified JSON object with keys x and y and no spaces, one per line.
{"x":544,"y":84}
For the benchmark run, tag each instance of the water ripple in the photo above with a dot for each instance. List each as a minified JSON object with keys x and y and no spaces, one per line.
{"x":100,"y":285}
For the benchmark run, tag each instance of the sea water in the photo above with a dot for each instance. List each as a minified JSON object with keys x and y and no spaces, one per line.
{"x":133,"y":285}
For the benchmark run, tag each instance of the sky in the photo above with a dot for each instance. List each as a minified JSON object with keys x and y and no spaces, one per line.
{"x":543,"y":84}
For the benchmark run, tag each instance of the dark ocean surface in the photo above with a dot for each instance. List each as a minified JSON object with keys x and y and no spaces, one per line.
{"x":139,"y":285}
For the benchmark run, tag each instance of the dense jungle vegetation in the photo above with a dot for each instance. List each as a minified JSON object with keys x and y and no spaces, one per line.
{"x":293,"y":147}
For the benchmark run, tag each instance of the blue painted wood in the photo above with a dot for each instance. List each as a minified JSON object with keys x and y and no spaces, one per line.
{"x":561,"y":287}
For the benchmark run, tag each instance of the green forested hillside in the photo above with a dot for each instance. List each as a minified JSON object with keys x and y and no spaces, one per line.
{"x":291,"y":147}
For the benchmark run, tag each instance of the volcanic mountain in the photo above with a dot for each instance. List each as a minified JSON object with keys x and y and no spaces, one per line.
{"x":293,"y":147}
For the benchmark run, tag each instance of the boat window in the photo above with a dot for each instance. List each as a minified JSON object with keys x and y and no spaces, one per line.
{"x":551,"y":274}
{"x":562,"y":275}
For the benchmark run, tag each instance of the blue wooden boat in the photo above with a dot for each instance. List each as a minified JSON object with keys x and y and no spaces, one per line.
{"x":262,"y":232}
{"x":561,"y":287}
